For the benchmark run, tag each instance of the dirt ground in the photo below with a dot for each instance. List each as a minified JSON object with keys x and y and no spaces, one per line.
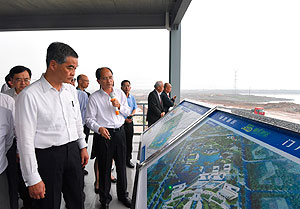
{"x":283,"y":110}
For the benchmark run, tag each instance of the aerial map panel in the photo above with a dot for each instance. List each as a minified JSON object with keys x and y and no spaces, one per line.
{"x":164,"y":130}
{"x":225,"y":161}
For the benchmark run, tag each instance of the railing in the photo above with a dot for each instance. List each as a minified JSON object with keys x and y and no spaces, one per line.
{"x":140,"y":119}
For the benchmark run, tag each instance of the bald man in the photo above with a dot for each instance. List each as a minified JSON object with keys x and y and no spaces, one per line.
{"x":83,"y":83}
{"x":165,"y":96}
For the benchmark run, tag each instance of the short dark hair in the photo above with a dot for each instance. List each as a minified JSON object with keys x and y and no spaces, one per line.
{"x":8,"y":78}
{"x":78,"y":78}
{"x":124,"y":81}
{"x":19,"y":69}
{"x":59,"y":52}
{"x":98,"y":72}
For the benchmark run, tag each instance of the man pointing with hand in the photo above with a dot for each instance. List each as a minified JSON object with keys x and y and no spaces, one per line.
{"x":102,"y":118}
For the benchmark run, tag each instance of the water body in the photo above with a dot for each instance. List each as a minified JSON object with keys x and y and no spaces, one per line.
{"x":294,"y":97}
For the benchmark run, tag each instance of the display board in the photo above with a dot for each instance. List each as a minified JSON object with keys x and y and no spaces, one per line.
{"x":224,"y":161}
{"x":165,"y":129}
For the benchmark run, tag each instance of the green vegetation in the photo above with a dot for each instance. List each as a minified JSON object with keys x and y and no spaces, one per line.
{"x":232,"y":202}
{"x":205,"y":196}
{"x":182,"y":203}
{"x":167,"y":194}
{"x":205,"y":204}
{"x":214,"y":205}
{"x":217,"y":200}
{"x":174,"y":203}
{"x":179,"y":197}
{"x":189,"y":195}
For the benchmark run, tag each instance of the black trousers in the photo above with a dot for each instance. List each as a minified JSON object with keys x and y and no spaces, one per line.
{"x":12,"y":176}
{"x":115,"y":148}
{"x":86,"y":131}
{"x":60,"y":170}
{"x":23,"y":190}
{"x":151,"y":122}
{"x":129,"y":136}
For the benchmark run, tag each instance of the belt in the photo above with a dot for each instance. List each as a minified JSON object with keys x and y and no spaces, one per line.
{"x":115,"y":129}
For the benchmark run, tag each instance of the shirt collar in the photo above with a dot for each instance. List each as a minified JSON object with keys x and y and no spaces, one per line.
{"x":14,"y":91}
{"x":158,"y":92}
{"x":47,"y":86}
{"x":103,"y":92}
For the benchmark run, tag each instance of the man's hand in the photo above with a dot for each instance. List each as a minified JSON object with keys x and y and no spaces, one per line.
{"x":18,"y":158}
{"x":128,"y":120}
{"x":115,"y":103}
{"x":104,"y":132}
{"x":37,"y":191}
{"x":84,"y":156}
{"x":162,"y":114}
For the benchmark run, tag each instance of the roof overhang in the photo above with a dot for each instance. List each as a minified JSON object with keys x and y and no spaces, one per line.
{"x":21,"y":15}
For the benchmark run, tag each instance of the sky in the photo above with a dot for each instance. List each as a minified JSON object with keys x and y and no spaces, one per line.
{"x":225,"y":44}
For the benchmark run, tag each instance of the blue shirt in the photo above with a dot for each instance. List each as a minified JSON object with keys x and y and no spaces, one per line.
{"x":83,"y":101}
{"x":131,"y":103}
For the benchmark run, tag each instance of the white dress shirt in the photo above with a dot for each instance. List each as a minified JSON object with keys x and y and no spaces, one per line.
{"x":46,"y":117}
{"x":6,"y":135}
{"x":4,"y":88}
{"x":7,"y":102}
{"x":12,"y":92}
{"x":101,"y":113}
{"x":158,"y":95}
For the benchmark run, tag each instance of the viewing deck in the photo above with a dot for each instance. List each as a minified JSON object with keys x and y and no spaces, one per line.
{"x":92,"y":199}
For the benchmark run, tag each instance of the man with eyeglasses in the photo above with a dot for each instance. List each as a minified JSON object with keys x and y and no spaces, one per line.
{"x":20,"y":78}
{"x":105,"y":116}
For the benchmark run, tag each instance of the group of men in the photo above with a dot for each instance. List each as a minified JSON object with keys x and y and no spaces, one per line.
{"x":50,"y":118}
{"x":159,"y":102}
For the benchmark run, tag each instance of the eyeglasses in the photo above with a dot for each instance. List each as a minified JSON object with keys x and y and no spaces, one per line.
{"x":107,"y":78}
{"x":25,"y":80}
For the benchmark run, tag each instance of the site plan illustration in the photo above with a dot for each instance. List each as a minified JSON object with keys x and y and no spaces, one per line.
{"x":169,"y":126}
{"x":225,"y":163}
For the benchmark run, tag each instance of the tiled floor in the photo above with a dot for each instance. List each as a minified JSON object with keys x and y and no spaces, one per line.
{"x":92,"y":199}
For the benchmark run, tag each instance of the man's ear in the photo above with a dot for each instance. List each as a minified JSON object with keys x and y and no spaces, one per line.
{"x":10,"y":83}
{"x":52,"y":65}
{"x":98,"y":81}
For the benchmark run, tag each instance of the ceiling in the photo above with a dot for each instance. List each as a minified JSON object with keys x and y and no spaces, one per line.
{"x":90,"y":14}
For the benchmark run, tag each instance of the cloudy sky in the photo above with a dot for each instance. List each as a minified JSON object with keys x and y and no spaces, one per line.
{"x":258,"y":40}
